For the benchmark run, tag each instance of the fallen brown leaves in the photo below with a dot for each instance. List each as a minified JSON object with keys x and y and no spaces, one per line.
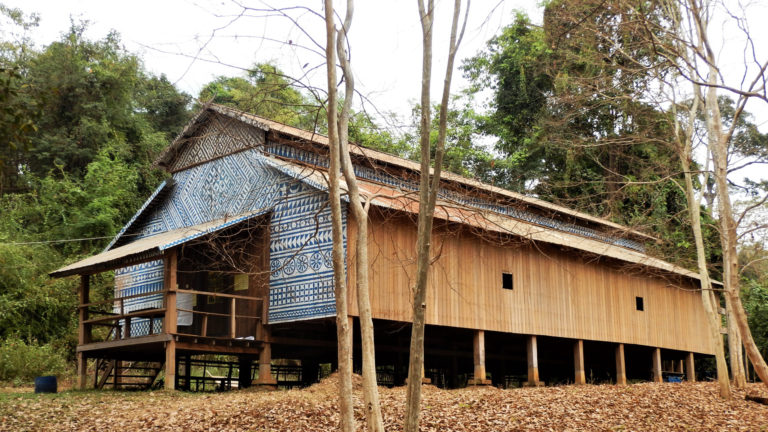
{"x":645,"y":407}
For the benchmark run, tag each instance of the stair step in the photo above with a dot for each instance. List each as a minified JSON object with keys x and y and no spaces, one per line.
{"x":135,"y":376}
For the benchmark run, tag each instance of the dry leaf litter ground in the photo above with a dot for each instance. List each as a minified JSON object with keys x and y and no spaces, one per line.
{"x":638,"y":407}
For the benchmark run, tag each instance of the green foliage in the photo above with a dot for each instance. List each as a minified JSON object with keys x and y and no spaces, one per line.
{"x":88,"y":123}
{"x":265,"y":92}
{"x":89,"y":95}
{"x":514,"y":68}
{"x":365,"y":132}
{"x":567,"y":110}
{"x":21,"y":361}
{"x":33,"y":306}
{"x":754,"y":292}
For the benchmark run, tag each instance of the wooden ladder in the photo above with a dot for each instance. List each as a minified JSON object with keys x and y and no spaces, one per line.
{"x":138,"y":375}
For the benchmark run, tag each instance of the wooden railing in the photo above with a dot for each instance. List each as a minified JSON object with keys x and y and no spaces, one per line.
{"x":232,"y":315}
{"x":112,"y":319}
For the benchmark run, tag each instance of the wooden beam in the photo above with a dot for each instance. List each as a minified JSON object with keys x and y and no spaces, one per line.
{"x":82,"y":370}
{"x":142,"y":340}
{"x":169,"y":325}
{"x":244,"y":371}
{"x":191,"y":347}
{"x":478,"y":351}
{"x":83,"y":328}
{"x":690,"y":368}
{"x":117,"y":368}
{"x":578,"y":362}
{"x":170,"y":365}
{"x":657,"y":377}
{"x":533,"y":361}
{"x":621,"y":369}
{"x":232,"y":318}
{"x":265,"y":367}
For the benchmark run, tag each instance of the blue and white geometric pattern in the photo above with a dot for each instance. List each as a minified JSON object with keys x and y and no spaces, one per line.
{"x":300,"y":251}
{"x":301,"y":280}
{"x":225,"y":187}
{"x":138,"y":279}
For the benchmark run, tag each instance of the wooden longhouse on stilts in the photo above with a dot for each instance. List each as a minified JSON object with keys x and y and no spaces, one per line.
{"x":231,"y":256}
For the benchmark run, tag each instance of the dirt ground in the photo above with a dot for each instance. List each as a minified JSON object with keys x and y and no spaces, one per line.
{"x":637,"y":407}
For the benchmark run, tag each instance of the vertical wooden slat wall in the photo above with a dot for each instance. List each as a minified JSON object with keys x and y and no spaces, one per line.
{"x":556,"y":292}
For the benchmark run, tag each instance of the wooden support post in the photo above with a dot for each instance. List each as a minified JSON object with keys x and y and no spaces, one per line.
{"x":690,"y":368}
{"x":244,"y":372}
{"x":169,"y":325}
{"x":479,"y":376}
{"x":188,"y":372}
{"x":83,"y":329}
{"x":621,"y":368}
{"x":82,"y":371}
{"x":533,"y":362}
{"x":424,"y":379}
{"x":120,"y":333}
{"x":127,"y":332}
{"x":265,"y":367}
{"x":578,"y":362}
{"x":657,"y":377}
{"x":118,"y":371}
{"x":204,"y":326}
{"x":232,"y":318}
{"x":170,"y":365}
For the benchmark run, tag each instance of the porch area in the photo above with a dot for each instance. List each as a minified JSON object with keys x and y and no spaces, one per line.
{"x":177,"y":298}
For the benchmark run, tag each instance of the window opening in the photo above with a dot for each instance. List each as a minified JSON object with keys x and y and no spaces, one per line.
{"x":507,"y":281}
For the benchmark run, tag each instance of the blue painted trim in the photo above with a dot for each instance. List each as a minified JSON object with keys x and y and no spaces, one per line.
{"x":141,"y":211}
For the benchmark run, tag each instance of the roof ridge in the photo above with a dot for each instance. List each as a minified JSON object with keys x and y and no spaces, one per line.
{"x":380,"y":156}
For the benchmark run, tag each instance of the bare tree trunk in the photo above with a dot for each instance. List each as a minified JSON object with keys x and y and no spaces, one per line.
{"x":710,"y":309}
{"x":718,"y":147}
{"x":343,"y":332}
{"x":738,"y":376}
{"x":718,"y":142}
{"x":428,"y":189}
{"x":373,"y":414}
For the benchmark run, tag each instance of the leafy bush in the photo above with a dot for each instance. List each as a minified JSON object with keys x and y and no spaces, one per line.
{"x":21,"y":362}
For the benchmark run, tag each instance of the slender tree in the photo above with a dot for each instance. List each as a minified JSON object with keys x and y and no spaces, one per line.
{"x":340,"y":123}
{"x":343,"y":331}
{"x":428,"y":188}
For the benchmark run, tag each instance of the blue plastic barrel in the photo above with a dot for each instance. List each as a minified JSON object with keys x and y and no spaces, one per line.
{"x":45,"y":384}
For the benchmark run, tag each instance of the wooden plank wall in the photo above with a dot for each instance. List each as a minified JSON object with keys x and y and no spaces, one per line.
{"x":556,"y":292}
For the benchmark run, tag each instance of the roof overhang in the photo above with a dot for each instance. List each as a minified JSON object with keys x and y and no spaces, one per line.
{"x":384,"y":196}
{"x":149,"y":248}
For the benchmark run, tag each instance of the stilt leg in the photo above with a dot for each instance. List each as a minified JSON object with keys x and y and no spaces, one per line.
{"x":533,"y":362}
{"x":621,"y":369}
{"x":578,"y":362}
{"x":657,"y":377}
{"x":479,"y":377}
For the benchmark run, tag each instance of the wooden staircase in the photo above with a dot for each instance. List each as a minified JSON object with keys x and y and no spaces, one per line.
{"x":136,"y":375}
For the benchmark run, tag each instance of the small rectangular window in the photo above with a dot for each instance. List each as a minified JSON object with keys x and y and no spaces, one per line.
{"x":507,"y":282}
{"x":639,"y":303}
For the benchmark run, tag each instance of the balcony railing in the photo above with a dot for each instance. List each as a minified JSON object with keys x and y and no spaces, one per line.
{"x":123,"y":324}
